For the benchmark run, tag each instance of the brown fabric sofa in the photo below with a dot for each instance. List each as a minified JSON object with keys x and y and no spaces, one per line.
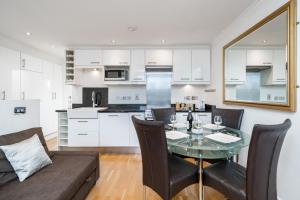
{"x":70,"y":177}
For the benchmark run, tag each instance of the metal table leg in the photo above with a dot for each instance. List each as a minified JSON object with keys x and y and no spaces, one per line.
{"x":201,"y":191}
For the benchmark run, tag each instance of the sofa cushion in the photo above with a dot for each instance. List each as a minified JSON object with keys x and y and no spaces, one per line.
{"x":7,"y":177}
{"x":26,"y":157}
{"x":59,"y":181}
{"x":15,"y":138}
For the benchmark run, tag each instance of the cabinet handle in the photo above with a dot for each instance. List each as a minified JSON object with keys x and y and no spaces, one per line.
{"x":151,"y":62}
{"x":82,"y":121}
{"x":137,"y":79}
{"x":95,"y":62}
{"x":53,"y":95}
{"x":266,"y":63}
{"x":235,"y":79}
{"x":82,"y":134}
{"x":198,"y":79}
{"x":3,"y":95}
{"x":202,"y":115}
{"x":23,"y":96}
{"x":113,"y":115}
{"x":23,"y":62}
{"x":280,"y":79}
{"x":184,"y":79}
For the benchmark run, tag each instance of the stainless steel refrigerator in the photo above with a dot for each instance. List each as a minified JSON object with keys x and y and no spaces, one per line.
{"x":158,"y":86}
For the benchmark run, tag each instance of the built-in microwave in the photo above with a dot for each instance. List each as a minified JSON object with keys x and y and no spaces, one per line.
{"x":116,"y":74}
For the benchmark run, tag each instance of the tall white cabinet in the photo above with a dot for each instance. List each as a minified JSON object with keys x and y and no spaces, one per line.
{"x":9,"y":74}
{"x":52,"y":96}
{"x":25,"y":77}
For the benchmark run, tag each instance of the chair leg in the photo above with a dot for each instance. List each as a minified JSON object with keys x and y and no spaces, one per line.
{"x":144,"y":192}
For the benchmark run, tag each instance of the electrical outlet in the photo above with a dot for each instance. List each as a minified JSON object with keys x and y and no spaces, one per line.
{"x":20,"y":110}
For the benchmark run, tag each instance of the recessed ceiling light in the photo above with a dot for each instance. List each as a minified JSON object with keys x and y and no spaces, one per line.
{"x":132,"y":28}
{"x":113,"y":41}
{"x":28,"y":34}
{"x":163,"y":41}
{"x":264,"y":41}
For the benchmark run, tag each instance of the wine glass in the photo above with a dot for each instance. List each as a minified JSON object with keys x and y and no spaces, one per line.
{"x":198,"y":124}
{"x":173,"y":120}
{"x":218,"y":120}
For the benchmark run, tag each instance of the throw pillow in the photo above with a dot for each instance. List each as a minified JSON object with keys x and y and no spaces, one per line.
{"x":26,"y":157}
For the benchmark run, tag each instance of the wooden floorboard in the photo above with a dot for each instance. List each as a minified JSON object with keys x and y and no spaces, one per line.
{"x":121,"y":179}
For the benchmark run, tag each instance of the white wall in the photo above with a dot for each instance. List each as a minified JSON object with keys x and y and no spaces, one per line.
{"x":289,"y":164}
{"x":10,"y":122}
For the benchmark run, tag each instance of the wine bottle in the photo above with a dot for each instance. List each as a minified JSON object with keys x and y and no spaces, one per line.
{"x":190,"y":120}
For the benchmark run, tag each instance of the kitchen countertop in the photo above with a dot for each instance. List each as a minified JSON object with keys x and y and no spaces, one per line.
{"x":130,"y":108}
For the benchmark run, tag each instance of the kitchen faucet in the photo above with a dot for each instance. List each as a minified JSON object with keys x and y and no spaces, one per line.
{"x":94,"y":99}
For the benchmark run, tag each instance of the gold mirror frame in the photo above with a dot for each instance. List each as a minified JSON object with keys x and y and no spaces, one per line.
{"x":290,"y":7}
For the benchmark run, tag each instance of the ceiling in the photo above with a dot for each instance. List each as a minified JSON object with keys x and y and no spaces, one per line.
{"x":57,"y":24}
{"x":273,"y":33}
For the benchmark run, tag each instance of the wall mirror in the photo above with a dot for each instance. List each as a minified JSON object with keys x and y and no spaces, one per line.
{"x":259,"y":66}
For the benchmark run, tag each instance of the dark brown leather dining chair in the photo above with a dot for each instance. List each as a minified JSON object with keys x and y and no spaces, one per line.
{"x":163,"y":114}
{"x":164,"y":173}
{"x":231,"y":118}
{"x":258,"y":181}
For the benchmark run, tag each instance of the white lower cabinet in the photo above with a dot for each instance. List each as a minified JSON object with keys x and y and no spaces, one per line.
{"x":114,"y":129}
{"x":181,"y":117}
{"x":83,"y":133}
{"x":204,"y":116}
{"x":133,"y":138}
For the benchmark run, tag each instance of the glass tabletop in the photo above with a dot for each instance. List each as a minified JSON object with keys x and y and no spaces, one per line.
{"x":198,"y":146}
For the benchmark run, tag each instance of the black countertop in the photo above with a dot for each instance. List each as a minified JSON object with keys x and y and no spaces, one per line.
{"x":125,"y":108}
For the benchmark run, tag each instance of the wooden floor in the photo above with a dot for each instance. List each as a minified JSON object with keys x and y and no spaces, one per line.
{"x":121,"y":179}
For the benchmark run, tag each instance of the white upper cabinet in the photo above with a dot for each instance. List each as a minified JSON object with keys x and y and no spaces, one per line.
{"x":158,"y":57}
{"x":259,"y":57}
{"x":137,"y":67}
{"x":87,"y":58}
{"x":279,"y":66}
{"x":201,"y":65}
{"x":31,"y":63}
{"x":277,"y":75}
{"x":9,"y":74}
{"x":182,"y":65}
{"x":235,"y":67}
{"x":116,"y":57}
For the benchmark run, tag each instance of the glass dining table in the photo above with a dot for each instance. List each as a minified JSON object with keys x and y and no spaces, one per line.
{"x":200,"y":147}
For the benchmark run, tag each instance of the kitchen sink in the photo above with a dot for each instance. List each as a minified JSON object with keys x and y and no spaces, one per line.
{"x":85,"y":112}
